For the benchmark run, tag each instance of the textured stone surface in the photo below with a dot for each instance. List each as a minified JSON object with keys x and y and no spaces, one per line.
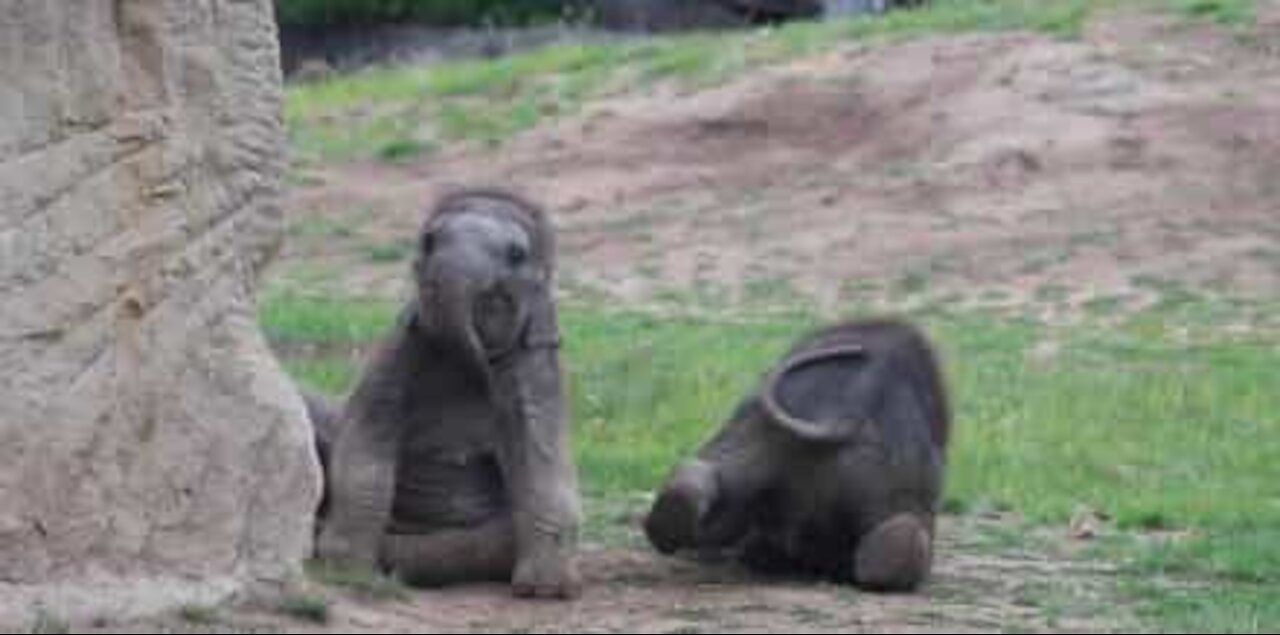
{"x":152,"y":452}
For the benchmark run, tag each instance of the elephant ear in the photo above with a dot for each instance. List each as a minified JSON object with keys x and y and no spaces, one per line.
{"x":823,"y":396}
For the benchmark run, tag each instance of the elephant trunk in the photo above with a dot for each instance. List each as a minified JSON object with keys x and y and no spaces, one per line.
{"x":448,"y":296}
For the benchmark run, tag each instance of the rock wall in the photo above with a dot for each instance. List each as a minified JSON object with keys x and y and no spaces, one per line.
{"x":152,"y":452}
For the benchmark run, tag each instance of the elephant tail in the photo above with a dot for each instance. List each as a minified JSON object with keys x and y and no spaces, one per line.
{"x":325,"y":415}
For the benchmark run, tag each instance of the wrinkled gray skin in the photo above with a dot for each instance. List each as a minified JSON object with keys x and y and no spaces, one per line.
{"x":833,"y":467}
{"x":450,"y":460}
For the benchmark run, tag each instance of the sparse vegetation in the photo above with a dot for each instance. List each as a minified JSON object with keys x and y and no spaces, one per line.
{"x":389,"y":253}
{"x":365,"y":583}
{"x":404,"y":149}
{"x":309,"y":607}
{"x":46,"y":623}
{"x":1223,"y":11}
{"x":199,"y":614}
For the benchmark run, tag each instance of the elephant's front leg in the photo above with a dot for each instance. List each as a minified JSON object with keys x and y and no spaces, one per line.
{"x":361,"y":484}
{"x":447,"y":556}
{"x":539,"y":474}
{"x":361,"y":476}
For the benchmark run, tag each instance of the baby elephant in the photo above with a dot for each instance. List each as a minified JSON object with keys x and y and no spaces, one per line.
{"x":833,"y":467}
{"x":450,"y":460}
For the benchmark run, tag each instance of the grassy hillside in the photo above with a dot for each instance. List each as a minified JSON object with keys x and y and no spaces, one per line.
{"x":398,"y":113}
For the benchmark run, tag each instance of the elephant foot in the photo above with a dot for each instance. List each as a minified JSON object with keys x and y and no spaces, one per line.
{"x":448,"y":556}
{"x":338,"y":549}
{"x":676,"y":518}
{"x":895,"y":557}
{"x":547,"y":573}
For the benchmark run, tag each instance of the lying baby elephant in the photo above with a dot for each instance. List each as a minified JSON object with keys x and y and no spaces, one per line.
{"x":832,"y":468}
{"x":450,"y":461}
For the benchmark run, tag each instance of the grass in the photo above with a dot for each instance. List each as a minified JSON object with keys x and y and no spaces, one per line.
{"x":307,"y":607}
{"x":400,"y":150}
{"x":198,"y":614}
{"x":389,"y":253}
{"x":1229,"y":12}
{"x":365,"y":583}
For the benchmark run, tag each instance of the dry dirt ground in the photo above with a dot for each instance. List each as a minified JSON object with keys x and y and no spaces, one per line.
{"x":1012,"y":171}
{"x":988,"y":580}
{"x":1001,"y":171}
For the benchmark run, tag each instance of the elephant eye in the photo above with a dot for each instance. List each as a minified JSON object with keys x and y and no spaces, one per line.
{"x":517,"y":255}
{"x":427,"y":243}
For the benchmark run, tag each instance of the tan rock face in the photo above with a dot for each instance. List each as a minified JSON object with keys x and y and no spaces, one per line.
{"x":152,"y":452}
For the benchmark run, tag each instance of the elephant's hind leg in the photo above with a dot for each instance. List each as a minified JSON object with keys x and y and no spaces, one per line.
{"x":896,"y":556}
{"x":485,"y":553}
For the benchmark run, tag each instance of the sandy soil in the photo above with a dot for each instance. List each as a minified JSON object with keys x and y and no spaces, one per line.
{"x":986,"y":582}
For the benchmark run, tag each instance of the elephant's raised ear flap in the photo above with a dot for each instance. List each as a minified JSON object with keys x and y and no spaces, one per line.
{"x":822,"y":396}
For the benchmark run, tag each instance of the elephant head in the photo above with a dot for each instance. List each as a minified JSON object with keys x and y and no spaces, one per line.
{"x":484,"y":276}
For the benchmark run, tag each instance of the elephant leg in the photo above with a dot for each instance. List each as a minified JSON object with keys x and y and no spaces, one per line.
{"x":361,"y":485}
{"x":896,"y":556}
{"x":539,"y":472}
{"x":360,"y":477}
{"x":486,"y":553}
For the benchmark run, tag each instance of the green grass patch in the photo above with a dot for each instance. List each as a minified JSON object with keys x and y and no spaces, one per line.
{"x":389,"y":253}
{"x":1229,"y":12}
{"x":321,"y":227}
{"x":404,"y":149}
{"x":1156,"y":432}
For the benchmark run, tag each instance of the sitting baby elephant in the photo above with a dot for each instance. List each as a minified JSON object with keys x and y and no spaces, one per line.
{"x":832,"y":468}
{"x":450,"y":460}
